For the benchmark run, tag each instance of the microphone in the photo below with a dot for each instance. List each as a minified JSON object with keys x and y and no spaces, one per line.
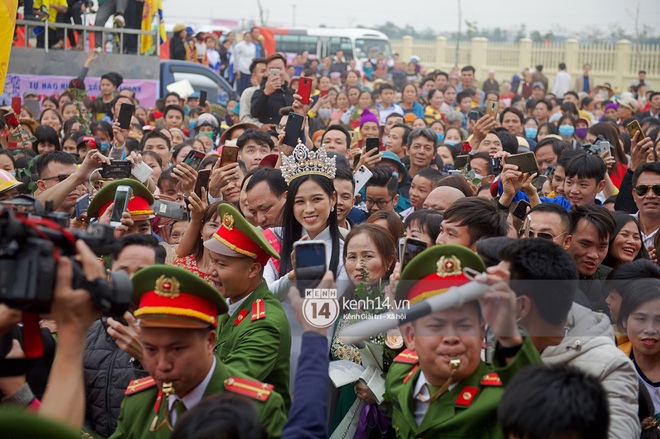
{"x":454,"y":297}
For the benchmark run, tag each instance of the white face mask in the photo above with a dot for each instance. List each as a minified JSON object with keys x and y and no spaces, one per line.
{"x":519,"y":318}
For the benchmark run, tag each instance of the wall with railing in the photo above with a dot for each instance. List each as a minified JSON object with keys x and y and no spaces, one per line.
{"x":616,"y":63}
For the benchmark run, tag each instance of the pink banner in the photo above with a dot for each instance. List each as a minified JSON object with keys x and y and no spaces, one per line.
{"x":146,"y":90}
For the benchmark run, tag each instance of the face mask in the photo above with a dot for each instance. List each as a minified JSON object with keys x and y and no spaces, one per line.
{"x":209,"y":135}
{"x":13,"y":174}
{"x":324,"y":113}
{"x":367,"y":71}
{"x":441,"y":137}
{"x":581,"y":132}
{"x":566,"y":130}
{"x":450,"y":142}
{"x":192,"y":124}
{"x":531,"y":133}
{"x":105,"y":146}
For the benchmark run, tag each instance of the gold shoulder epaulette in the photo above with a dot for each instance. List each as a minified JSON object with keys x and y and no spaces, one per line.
{"x":137,"y":386}
{"x":251,"y":389}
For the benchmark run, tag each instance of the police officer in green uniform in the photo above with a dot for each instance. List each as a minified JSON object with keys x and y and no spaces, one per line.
{"x":439,"y":387}
{"x":178,"y":315}
{"x":254,"y":337}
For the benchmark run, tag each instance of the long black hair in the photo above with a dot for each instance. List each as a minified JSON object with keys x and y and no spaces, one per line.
{"x":292,"y":229}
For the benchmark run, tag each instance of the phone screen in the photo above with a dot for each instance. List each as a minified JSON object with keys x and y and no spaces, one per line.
{"x":293,"y":129}
{"x":202,"y":98}
{"x":411,"y":248}
{"x":125,"y":114}
{"x":520,"y":211}
{"x":310,"y":265}
{"x":372,"y":143}
{"x":202,"y":181}
{"x":194,"y":159}
{"x":121,"y":201}
{"x":82,"y":204}
{"x":474,"y":115}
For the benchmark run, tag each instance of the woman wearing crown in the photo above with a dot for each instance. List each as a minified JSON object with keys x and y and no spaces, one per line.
{"x":309,"y":213}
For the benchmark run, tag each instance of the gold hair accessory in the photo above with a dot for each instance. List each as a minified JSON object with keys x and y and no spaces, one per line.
{"x":305,"y":162}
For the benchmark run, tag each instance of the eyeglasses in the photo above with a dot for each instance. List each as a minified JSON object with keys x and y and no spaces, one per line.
{"x":380,"y":203}
{"x":643,"y":189}
{"x":540,"y":235}
{"x":60,"y":177}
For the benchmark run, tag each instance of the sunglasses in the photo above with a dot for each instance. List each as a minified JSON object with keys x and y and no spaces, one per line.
{"x":540,"y":235}
{"x":643,"y":189}
{"x":60,"y":177}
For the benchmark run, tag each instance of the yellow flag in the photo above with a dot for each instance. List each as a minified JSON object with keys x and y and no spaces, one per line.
{"x":7,"y":23}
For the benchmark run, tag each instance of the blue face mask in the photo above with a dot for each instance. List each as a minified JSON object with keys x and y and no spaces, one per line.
{"x":441,"y":137}
{"x":13,"y":174}
{"x":105,"y":146}
{"x":566,"y":130}
{"x":367,"y":71}
{"x":450,"y":142}
{"x":192,"y":124}
{"x":531,"y":133}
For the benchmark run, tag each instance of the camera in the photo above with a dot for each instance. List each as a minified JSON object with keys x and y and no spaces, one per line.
{"x":31,"y":241}
{"x":496,"y":165}
{"x":600,"y":146}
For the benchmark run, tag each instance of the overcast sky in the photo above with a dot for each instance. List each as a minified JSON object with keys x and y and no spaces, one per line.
{"x":438,"y":14}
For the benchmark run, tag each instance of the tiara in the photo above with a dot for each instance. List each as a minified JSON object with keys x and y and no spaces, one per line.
{"x":306,"y":162}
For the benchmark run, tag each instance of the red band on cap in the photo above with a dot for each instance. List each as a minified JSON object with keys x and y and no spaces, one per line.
{"x":193,"y":306}
{"x":241,"y":243}
{"x":432,"y":285}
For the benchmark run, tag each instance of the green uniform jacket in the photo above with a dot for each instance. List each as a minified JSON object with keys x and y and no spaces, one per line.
{"x":137,"y":410}
{"x":469,"y":410}
{"x":258,"y":345}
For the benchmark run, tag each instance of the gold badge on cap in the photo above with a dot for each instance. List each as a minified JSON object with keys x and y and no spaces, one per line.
{"x":449,"y":266}
{"x":228,"y":221}
{"x":167,"y":286}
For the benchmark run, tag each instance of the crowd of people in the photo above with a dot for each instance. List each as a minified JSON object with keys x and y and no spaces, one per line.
{"x":550,"y":201}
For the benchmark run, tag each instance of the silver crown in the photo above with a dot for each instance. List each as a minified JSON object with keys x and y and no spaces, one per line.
{"x":305,"y":162}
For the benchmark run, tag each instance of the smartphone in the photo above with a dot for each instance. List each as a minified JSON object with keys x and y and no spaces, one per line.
{"x":116,"y":169}
{"x":202,"y":181}
{"x":194,"y":159}
{"x":521,"y":209}
{"x":202,"y":97}
{"x":526,"y":162}
{"x":402,"y":246}
{"x":411,"y":248}
{"x":372,"y":143}
{"x":169,"y":209}
{"x":474,"y":115}
{"x":274,"y":73}
{"x":142,"y":171}
{"x":361,"y":177}
{"x":632,"y":128}
{"x":323,"y":93}
{"x":122,"y":195}
{"x":461,"y":161}
{"x":309,"y":264}
{"x":82,"y":203}
{"x":16,"y":104}
{"x":293,"y":129}
{"x":126,"y":111}
{"x":304,"y":89}
{"x":491,"y":108}
{"x":229,"y":155}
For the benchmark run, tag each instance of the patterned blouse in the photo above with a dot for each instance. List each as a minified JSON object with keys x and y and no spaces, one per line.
{"x":190,"y":263}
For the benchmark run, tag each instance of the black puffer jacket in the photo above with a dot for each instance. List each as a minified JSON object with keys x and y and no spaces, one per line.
{"x":108,"y":370}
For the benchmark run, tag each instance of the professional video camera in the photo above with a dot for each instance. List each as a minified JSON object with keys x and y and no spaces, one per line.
{"x":32,"y":239}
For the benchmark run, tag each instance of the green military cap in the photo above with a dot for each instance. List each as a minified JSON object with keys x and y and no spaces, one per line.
{"x":139,"y":206}
{"x":236,"y":237}
{"x":435,"y":270}
{"x":172,"y":297}
{"x":28,"y":425}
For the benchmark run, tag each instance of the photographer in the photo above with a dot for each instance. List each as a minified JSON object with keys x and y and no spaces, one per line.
{"x":63,"y":192}
{"x":74,"y":312}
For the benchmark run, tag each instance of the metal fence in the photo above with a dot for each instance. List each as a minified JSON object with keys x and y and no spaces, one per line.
{"x":102,"y":32}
